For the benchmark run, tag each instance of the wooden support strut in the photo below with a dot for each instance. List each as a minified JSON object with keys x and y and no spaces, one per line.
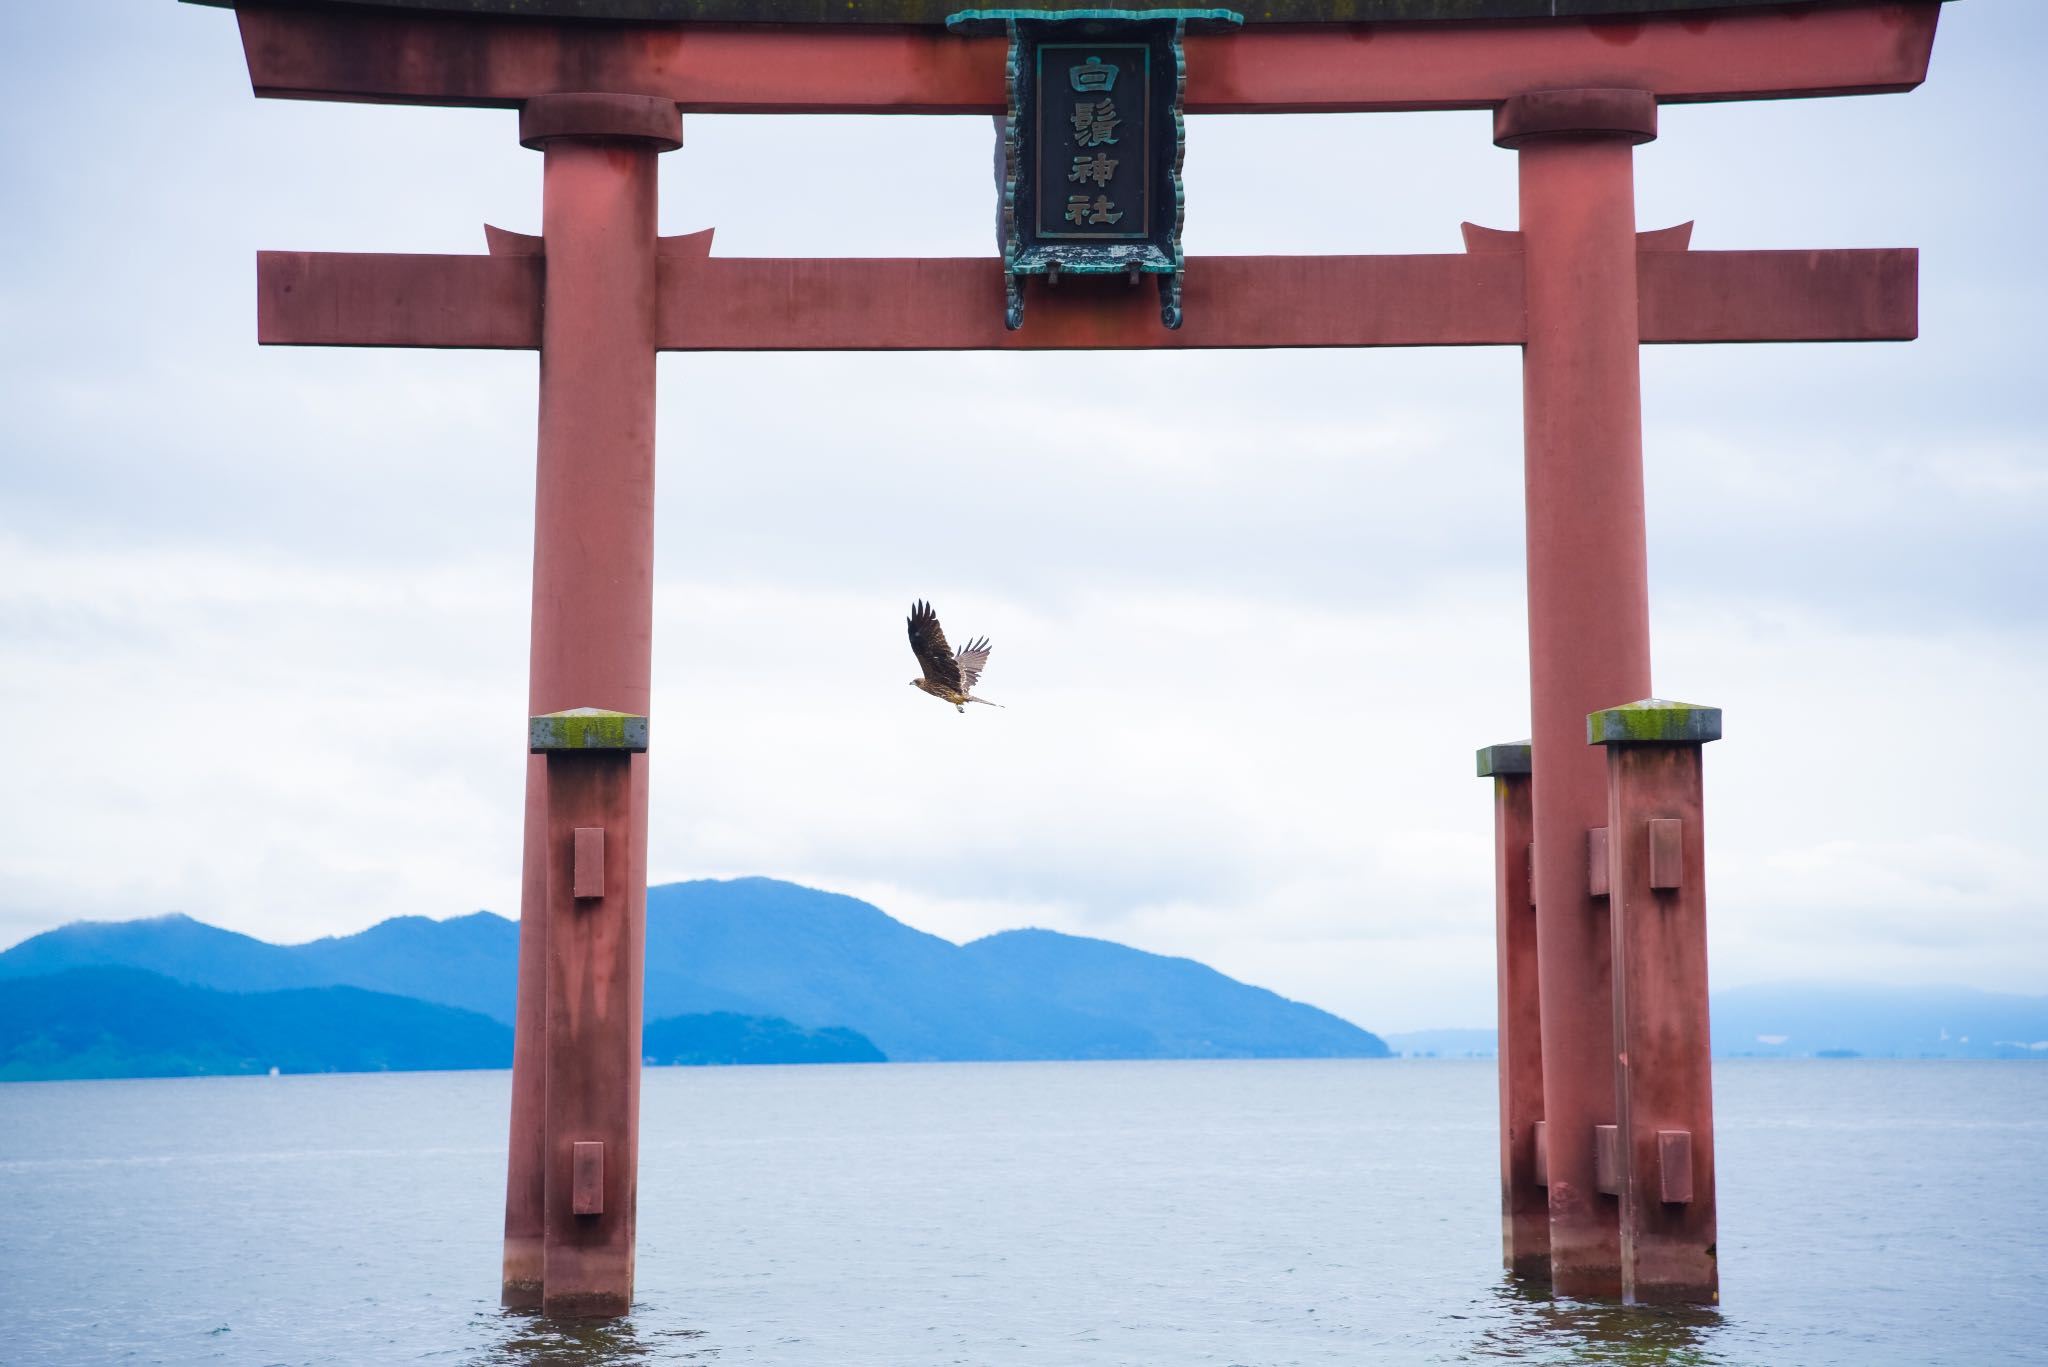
{"x":1659,"y":1157}
{"x":1524,"y":1209}
{"x":585,"y":1015}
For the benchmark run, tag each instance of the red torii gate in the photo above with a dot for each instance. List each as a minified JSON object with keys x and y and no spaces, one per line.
{"x":1606,"y":1129}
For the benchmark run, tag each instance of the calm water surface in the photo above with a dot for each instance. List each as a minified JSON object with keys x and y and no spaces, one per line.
{"x":1259,"y":1214}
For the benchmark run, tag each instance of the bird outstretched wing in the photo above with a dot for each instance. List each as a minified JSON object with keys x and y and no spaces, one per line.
{"x":972,"y":659}
{"x":928,"y":643}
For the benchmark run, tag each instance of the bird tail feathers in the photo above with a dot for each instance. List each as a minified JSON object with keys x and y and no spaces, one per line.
{"x":972,"y":698}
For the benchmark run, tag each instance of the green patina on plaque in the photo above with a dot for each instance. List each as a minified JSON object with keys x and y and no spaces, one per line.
{"x":1092,"y":144}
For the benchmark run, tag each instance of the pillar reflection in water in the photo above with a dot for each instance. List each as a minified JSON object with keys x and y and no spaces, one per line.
{"x":1527,"y":1324}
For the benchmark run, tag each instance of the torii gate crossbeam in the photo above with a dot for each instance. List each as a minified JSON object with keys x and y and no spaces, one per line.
{"x":709,"y":303}
{"x":1607,"y":1146}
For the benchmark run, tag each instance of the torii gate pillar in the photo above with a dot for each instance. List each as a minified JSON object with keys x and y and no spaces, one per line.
{"x":593,"y":586}
{"x":1589,"y":601}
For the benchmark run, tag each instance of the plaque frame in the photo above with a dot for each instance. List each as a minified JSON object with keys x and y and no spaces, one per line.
{"x":1026,"y":250}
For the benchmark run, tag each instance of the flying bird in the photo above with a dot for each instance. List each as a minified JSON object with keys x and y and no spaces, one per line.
{"x":948,"y":674}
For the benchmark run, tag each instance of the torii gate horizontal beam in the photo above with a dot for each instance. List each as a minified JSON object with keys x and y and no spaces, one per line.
{"x":388,"y":56}
{"x":711,"y":303}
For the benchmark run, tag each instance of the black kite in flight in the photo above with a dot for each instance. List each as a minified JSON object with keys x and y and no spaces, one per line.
{"x":947,"y":674}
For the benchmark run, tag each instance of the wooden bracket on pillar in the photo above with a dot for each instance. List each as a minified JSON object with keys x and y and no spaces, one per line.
{"x":1596,"y":861}
{"x":1674,"y":1166}
{"x":586,"y":1177}
{"x":1660,"y":1152}
{"x":1607,"y":1159}
{"x":1667,"y":861}
{"x":587,"y":876}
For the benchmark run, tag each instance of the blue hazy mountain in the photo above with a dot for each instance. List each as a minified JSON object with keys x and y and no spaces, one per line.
{"x":760,"y":947}
{"x":1188,"y":1009}
{"x":461,"y":962}
{"x":764,"y":947}
{"x":1831,"y":1020}
{"x":467,"y":961}
{"x":123,"y":1022}
{"x":175,"y":946}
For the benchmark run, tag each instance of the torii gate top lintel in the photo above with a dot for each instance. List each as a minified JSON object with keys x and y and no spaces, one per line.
{"x":896,"y":56}
{"x":934,"y":13}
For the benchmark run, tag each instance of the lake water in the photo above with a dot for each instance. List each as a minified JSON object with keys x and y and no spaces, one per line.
{"x":1262,"y":1214}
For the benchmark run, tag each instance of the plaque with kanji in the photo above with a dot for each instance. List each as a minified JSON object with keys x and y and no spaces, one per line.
{"x":1092,"y":138}
{"x":1092,"y":145}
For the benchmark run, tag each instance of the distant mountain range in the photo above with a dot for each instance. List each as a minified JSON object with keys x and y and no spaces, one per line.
{"x":123,"y":1022}
{"x":722,"y":1037}
{"x":807,"y":963}
{"x":757,"y":970}
{"x":1830,"y":1020}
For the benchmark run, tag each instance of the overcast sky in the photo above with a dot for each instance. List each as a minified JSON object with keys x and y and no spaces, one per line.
{"x":263,"y":612}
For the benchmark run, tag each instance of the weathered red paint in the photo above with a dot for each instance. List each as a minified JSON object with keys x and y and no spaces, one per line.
{"x":454,"y":59}
{"x":1524,"y":1210}
{"x":391,"y":299}
{"x":596,"y":953}
{"x":525,"y":1175}
{"x":1663,"y":1068}
{"x":1779,"y":296}
{"x":593,"y":594}
{"x":1248,"y":301}
{"x":712,"y":303}
{"x":1589,"y":628}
